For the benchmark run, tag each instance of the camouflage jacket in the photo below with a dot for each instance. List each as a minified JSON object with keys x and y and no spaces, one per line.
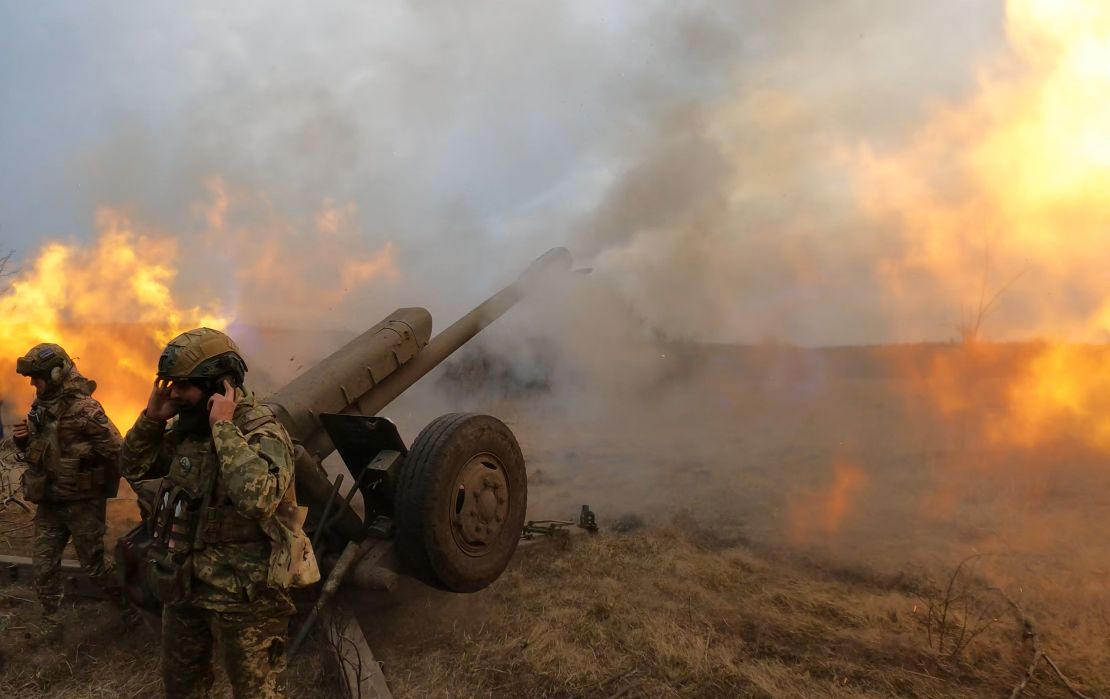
{"x":253,"y":472}
{"x":74,"y":443}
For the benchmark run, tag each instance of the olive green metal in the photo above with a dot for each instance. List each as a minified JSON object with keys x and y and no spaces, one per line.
{"x":481,"y":507}
{"x":333,"y":385}
{"x":372,"y":370}
{"x":343,"y":378}
{"x":554,"y":261}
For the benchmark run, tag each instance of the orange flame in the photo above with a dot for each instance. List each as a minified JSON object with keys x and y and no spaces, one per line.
{"x":109,"y":304}
{"x":1019,"y":172}
{"x":286,"y":276}
{"x":1064,"y":392}
{"x":1013,"y":183}
{"x":112,"y":303}
{"x":814,"y":514}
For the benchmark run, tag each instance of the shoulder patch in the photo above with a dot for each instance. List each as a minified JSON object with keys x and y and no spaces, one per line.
{"x":101,"y":418}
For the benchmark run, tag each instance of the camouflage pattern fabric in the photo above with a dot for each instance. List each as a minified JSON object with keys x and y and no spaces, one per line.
{"x":71,"y":439}
{"x":255,"y":470}
{"x":229,"y":593}
{"x":55,"y":523}
{"x":253,"y":652}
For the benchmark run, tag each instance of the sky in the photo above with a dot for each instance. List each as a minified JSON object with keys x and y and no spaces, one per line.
{"x":701,"y":157}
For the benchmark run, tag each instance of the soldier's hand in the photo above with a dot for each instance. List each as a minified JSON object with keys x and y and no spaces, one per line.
{"x":221,"y":406}
{"x":20,"y":430}
{"x":159,"y":406}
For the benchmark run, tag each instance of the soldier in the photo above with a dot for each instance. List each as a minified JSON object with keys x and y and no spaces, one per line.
{"x":226,"y":537}
{"x":71,"y":450}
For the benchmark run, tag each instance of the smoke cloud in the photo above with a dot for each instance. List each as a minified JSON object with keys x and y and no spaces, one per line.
{"x":742,"y":179}
{"x":699,"y":147}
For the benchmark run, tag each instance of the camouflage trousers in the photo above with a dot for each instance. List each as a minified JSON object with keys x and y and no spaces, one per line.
{"x":55,"y":523}
{"x":253,"y":652}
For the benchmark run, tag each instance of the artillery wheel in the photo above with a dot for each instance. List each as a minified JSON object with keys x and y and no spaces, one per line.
{"x":460,"y":503}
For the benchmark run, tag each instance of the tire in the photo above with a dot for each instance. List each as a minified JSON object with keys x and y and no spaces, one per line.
{"x":460,"y":502}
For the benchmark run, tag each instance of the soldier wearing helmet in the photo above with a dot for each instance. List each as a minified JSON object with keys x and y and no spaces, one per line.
{"x":222,"y":521}
{"x":71,"y":450}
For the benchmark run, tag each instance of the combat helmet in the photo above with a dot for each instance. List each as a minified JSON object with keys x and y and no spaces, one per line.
{"x":202,"y":354}
{"x":46,"y":360}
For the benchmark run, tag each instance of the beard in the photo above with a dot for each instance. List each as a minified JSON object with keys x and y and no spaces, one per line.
{"x":192,"y":418}
{"x":50,"y":390}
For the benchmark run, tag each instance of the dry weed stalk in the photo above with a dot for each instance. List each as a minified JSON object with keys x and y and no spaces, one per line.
{"x":10,"y":495}
{"x":969,"y":327}
{"x":1029,"y":633}
{"x":958,"y":614}
{"x":963,"y":610}
{"x":347,"y":661}
{"x":359,"y":671}
{"x":5,"y":261}
{"x":10,"y":468}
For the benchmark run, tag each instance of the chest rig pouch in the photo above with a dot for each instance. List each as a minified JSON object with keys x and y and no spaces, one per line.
{"x":177,"y":522}
{"x":42,"y":457}
{"x":63,"y":470}
{"x":33,"y":483}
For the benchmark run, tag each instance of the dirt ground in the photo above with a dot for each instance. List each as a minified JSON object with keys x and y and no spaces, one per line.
{"x":102,"y":657}
{"x":775,"y":523}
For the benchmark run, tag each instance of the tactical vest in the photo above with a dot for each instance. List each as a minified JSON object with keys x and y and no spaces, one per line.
{"x":67,"y":472}
{"x":188,"y":514}
{"x":191,"y":513}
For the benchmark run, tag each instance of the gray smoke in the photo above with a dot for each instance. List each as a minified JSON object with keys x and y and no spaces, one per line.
{"x":687,"y":152}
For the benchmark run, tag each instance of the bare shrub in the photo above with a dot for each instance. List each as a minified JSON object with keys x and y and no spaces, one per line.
{"x":958,"y":610}
{"x":971,"y":325}
{"x":10,"y":469}
{"x":6,"y":269}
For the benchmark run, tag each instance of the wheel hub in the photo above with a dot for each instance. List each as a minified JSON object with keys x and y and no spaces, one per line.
{"x":481,"y":503}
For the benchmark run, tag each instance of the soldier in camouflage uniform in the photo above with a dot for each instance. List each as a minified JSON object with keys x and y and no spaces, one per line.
{"x":71,"y":450}
{"x":226,"y":500}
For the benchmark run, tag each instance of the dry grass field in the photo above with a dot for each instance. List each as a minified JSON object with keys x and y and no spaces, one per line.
{"x":775,"y":523}
{"x":685,"y":611}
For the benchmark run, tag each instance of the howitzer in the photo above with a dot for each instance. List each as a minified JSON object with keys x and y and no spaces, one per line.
{"x":451,"y":506}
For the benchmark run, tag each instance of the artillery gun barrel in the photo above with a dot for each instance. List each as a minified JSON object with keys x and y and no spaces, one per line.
{"x":346,"y":375}
{"x":372,"y":370}
{"x":445,"y":343}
